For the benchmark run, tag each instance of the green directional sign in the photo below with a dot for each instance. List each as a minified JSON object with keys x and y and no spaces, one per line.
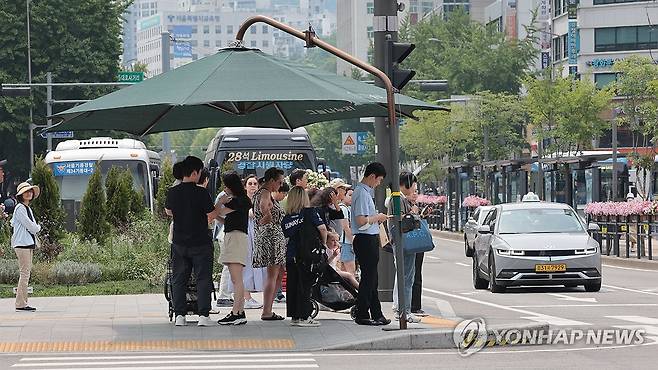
{"x":130,"y":76}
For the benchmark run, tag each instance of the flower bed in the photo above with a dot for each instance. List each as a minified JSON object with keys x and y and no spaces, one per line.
{"x":637,"y":207}
{"x":432,"y":199}
{"x":473,"y":201}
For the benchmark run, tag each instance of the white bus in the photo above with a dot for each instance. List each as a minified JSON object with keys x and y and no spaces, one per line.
{"x":73,"y":162}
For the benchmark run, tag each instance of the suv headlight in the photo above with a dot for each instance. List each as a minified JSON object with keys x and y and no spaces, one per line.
{"x":586,"y":251}
{"x":509,"y":252}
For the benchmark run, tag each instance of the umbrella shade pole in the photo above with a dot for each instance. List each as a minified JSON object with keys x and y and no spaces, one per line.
{"x":283,"y":117}
{"x":311,"y":40}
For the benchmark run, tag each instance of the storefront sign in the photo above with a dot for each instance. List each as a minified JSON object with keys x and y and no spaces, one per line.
{"x":572,"y":9}
{"x":545,"y":59}
{"x":572,"y":43}
{"x":182,"y":49}
{"x":189,"y":18}
{"x":80,"y":168}
{"x":182,"y":32}
{"x":263,"y":156}
{"x":149,"y":22}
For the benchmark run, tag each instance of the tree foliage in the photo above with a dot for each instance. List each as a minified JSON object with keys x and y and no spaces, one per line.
{"x":119,"y":188}
{"x":166,"y":180}
{"x":48,"y":211}
{"x":75,"y":40}
{"x":92,"y":220}
{"x":469,"y":55}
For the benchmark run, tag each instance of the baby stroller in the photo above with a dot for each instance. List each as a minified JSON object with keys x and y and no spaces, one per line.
{"x":332,"y":291}
{"x":190,"y":293}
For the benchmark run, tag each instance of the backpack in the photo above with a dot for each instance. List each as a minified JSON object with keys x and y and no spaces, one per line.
{"x":310,"y":250}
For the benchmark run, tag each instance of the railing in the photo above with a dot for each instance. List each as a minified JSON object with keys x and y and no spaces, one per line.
{"x":635,"y":232}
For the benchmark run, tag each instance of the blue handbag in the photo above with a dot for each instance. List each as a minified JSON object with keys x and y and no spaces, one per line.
{"x":418,"y":240}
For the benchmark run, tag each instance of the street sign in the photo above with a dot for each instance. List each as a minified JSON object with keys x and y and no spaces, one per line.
{"x":130,"y":77}
{"x":348,"y":140}
{"x":62,"y":135}
{"x":361,"y":146}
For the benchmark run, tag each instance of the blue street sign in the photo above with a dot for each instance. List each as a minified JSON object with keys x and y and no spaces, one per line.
{"x":62,"y":135}
{"x":361,"y":146}
{"x":79,"y":168}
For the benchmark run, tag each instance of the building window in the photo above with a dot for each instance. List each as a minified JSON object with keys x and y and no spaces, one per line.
{"x":206,"y":29}
{"x":218,"y":29}
{"x":559,"y":7}
{"x":229,"y":29}
{"x":565,"y":46}
{"x":252,"y":29}
{"x":604,"y":79}
{"x":194,"y":43}
{"x":557,"y":49}
{"x":266,"y":44}
{"x":265,"y":30}
{"x":218,"y":43}
{"x":206,"y":43}
{"x":370,"y":7}
{"x":625,"y":38}
{"x":603,"y":2}
{"x":194,"y":29}
{"x":371,"y":33}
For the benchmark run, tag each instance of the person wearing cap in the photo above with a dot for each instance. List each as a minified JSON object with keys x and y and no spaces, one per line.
{"x":342,"y":226}
{"x":24,"y":240}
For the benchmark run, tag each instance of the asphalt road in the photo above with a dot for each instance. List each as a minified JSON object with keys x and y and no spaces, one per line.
{"x":629,"y":298}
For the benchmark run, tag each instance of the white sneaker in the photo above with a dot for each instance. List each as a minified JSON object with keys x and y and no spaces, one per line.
{"x":251,"y":303}
{"x":294,"y":322}
{"x":308,"y":323}
{"x":413,"y":319}
{"x":205,"y":321}
{"x":180,"y":320}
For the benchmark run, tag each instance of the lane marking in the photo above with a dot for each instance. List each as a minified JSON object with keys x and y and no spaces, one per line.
{"x":570,"y":298}
{"x":628,"y":268}
{"x":588,"y":305}
{"x":432,"y":257}
{"x":630,"y":290}
{"x":534,"y":316}
{"x":637,"y":319}
{"x":462,"y":264}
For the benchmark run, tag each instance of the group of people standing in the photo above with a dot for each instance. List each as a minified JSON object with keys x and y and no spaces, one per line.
{"x":263,"y":221}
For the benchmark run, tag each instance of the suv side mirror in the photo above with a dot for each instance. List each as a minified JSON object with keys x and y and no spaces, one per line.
{"x":594,"y":228}
{"x":484,"y":229}
{"x":471,"y":220}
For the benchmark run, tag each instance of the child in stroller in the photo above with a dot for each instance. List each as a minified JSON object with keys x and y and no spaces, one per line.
{"x":334,"y":288}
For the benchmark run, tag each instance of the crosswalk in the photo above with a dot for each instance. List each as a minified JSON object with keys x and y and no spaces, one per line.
{"x":169,"y":361}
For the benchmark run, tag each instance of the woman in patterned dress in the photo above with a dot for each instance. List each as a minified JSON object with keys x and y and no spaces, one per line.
{"x":270,"y":244}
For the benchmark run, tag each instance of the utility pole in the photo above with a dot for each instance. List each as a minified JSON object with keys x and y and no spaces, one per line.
{"x":166,"y":66}
{"x":49,"y":107}
{"x":29,"y":80}
{"x":385,"y":25}
{"x":615,"y":191}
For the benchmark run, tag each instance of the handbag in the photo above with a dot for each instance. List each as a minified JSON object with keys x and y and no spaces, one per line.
{"x":418,"y":240}
{"x":35,"y":238}
{"x":410,"y":222}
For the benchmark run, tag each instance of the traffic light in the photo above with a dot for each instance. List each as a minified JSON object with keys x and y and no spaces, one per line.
{"x":396,"y":52}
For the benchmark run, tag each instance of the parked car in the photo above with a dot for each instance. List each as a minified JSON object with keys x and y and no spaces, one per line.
{"x":471,"y":228}
{"x":535,"y":243}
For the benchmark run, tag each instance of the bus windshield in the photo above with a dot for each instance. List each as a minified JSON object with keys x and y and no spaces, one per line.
{"x":256,"y":162}
{"x":73,"y":177}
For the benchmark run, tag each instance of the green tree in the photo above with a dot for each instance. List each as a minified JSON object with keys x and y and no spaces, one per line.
{"x":75,"y":40}
{"x":92,"y":220}
{"x":166,"y":180}
{"x":470,"y":56}
{"x":119,"y":188}
{"x":48,"y":211}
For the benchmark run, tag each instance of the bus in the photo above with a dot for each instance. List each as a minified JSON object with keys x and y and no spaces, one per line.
{"x":73,"y":162}
{"x":249,"y":150}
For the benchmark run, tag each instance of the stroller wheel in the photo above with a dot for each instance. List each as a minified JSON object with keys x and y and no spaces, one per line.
{"x":353,"y":312}
{"x":315,"y":310}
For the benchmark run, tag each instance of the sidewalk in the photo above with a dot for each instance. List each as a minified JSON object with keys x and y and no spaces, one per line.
{"x":140,"y":323}
{"x":632,"y":262}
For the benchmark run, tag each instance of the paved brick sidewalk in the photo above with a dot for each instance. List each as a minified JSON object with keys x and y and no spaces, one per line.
{"x":141,"y":323}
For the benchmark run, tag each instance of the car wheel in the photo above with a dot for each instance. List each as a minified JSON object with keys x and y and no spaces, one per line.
{"x":478,"y":281}
{"x":467,"y":250}
{"x":593,"y":287}
{"x":494,"y":287}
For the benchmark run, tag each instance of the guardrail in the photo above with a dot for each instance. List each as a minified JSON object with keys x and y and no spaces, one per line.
{"x":635,"y":232}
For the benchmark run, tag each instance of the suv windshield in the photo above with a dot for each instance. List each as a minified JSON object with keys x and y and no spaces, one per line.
{"x":530,"y":221}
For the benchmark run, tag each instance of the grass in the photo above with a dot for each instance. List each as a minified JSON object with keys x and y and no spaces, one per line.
{"x":102,"y":288}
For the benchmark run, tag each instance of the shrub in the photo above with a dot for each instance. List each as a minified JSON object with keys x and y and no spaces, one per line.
{"x":166,"y":180}
{"x":42,"y":273}
{"x":120,"y":196}
{"x":8,"y":271}
{"x":48,"y":212}
{"x":92,"y":222}
{"x":69,"y":272}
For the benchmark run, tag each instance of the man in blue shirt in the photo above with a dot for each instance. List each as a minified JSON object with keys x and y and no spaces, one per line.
{"x":365,"y":222}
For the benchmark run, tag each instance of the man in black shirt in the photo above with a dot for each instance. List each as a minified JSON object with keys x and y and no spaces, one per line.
{"x":191,"y":207}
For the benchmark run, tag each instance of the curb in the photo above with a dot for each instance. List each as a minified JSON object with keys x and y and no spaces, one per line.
{"x":630,"y":262}
{"x":458,"y":237}
{"x":416,"y":339}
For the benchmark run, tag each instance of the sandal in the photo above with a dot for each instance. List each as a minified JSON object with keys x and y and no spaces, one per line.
{"x":274,"y":317}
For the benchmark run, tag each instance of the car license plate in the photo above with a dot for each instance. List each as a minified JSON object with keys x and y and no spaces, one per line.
{"x":551,"y":268}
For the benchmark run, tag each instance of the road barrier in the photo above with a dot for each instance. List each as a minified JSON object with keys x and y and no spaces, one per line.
{"x":635,"y":232}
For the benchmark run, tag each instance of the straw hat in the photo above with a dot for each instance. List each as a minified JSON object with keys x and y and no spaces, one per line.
{"x":339,"y":183}
{"x":24,"y":186}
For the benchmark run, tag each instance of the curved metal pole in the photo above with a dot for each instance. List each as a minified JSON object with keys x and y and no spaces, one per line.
{"x":312,"y":40}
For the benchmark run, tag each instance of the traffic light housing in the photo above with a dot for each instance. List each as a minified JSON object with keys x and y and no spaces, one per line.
{"x":396,"y":52}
